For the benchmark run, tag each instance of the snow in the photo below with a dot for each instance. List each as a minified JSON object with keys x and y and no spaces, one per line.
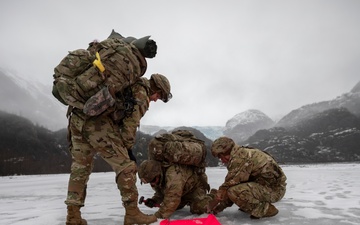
{"x":246,"y":117}
{"x":316,"y":194}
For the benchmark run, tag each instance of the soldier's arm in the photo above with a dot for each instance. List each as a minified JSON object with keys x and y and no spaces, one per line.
{"x":158,"y":196}
{"x":131,"y":123}
{"x":173,"y":191}
{"x":239,"y":170}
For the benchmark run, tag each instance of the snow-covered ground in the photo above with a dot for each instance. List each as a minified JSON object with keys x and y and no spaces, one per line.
{"x":316,"y":194}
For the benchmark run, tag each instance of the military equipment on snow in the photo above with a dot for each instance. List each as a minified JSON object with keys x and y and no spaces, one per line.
{"x":209,"y":220}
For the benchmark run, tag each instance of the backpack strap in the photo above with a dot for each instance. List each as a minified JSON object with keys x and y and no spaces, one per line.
{"x":69,"y":111}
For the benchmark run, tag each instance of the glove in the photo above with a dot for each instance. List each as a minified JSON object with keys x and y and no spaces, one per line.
{"x":211,"y":205}
{"x":131,"y":155}
{"x":150,"y":202}
{"x":159,"y":216}
{"x":219,"y":208}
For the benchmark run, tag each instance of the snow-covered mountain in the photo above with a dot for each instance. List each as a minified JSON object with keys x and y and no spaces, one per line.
{"x":350,"y":101}
{"x":246,"y":123}
{"x":211,"y":132}
{"x":329,"y":136}
{"x":31,"y":99}
{"x":240,"y":127}
{"x":318,"y":132}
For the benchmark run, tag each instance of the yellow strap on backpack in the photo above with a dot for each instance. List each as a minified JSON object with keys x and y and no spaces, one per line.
{"x":97,"y":63}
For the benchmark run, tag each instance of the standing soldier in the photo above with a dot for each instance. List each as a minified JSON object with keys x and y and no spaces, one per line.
{"x":254,"y":180}
{"x":113,"y":140}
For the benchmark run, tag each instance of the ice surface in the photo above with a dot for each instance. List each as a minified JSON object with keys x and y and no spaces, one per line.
{"x":316,"y":194}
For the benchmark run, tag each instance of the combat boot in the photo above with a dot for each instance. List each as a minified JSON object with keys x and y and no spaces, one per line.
{"x":134,"y":216}
{"x":74,"y":216}
{"x":272,"y":211}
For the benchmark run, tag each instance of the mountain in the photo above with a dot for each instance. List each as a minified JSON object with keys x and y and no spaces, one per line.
{"x":356,"y":88}
{"x":245,"y":124}
{"x":329,"y":136}
{"x":327,"y":131}
{"x":32,"y":100}
{"x":350,"y":101}
{"x":211,"y":132}
{"x":27,"y":148}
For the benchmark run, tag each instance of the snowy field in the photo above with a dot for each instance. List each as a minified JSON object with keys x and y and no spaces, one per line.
{"x":316,"y":194}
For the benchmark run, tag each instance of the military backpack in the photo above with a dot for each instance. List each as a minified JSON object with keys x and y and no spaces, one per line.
{"x":180,"y":147}
{"x":106,"y":67}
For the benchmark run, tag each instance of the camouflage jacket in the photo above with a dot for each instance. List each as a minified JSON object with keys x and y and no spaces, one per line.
{"x":177,"y":181}
{"x":141,"y":92}
{"x":251,"y":165}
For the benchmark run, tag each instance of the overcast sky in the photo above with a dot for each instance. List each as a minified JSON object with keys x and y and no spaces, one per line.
{"x":221,"y":57}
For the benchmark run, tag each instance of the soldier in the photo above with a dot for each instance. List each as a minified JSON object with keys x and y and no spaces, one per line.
{"x":113,"y":141}
{"x":175,"y":186}
{"x":254,"y":180}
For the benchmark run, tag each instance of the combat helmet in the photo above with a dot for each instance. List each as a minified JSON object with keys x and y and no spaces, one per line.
{"x":148,"y":170}
{"x":162,"y":83}
{"x":222,"y":145}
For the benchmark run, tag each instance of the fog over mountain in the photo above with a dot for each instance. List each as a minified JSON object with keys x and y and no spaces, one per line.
{"x":32,"y":100}
{"x":33,"y":134}
{"x":350,"y":101}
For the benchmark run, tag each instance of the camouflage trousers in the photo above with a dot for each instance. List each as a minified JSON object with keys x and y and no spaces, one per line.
{"x":254,"y":198}
{"x":197,"y":200}
{"x":98,"y":135}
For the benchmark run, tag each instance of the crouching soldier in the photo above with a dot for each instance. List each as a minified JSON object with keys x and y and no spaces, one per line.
{"x":254,"y":180}
{"x":176,"y":171}
{"x":175,"y":186}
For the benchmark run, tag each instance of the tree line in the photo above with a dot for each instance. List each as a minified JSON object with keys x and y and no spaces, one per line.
{"x":27,"y":148}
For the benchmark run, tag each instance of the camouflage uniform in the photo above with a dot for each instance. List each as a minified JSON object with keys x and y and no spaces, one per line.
{"x":176,"y":185}
{"x":180,"y":185}
{"x":107,"y":121}
{"x":100,"y":134}
{"x":254,"y":180}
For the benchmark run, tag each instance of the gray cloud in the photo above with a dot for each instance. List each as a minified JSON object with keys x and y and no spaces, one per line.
{"x":222,"y":57}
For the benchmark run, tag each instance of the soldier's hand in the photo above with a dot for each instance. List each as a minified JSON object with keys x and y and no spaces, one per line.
{"x":211,"y":205}
{"x":150,"y":202}
{"x":219,"y":208}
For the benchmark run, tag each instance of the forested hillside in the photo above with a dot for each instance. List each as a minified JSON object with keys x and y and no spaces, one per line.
{"x":27,"y":148}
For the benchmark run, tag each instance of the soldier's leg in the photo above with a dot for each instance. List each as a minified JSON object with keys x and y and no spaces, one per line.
{"x":105,"y":137}
{"x":198,"y":199}
{"x":82,"y":164}
{"x":125,"y":170}
{"x":108,"y":140}
{"x":81,"y":167}
{"x":251,"y":197}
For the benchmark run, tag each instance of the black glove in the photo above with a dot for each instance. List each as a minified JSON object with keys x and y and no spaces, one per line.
{"x":131,"y":156}
{"x":150,"y":202}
